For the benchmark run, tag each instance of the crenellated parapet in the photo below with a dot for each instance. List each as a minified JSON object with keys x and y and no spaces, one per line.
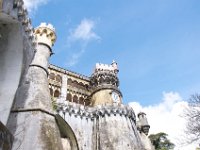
{"x":15,"y":11}
{"x":103,"y":77}
{"x":97,"y":111}
{"x":102,"y":126}
{"x":45,"y":34}
{"x":105,"y":74}
{"x":25,"y":20}
{"x":105,"y":67}
{"x":45,"y":37}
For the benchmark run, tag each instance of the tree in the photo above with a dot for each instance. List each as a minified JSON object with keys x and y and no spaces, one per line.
{"x":192,"y":116}
{"x":160,"y":141}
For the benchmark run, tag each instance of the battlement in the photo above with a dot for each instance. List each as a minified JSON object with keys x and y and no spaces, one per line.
{"x":105,"y":67}
{"x":105,"y":75}
{"x":21,"y":16}
{"x":47,"y":25}
{"x":97,"y":111}
{"x":45,"y":33}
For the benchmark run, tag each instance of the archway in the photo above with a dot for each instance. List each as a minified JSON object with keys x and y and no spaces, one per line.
{"x":69,"y":97}
{"x":67,"y":133}
{"x":75,"y":99}
{"x":51,"y":91}
{"x":58,"y":78}
{"x":52,"y":76}
{"x":56,"y":93}
{"x":81,"y":100}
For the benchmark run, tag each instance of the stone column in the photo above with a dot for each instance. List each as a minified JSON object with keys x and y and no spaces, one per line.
{"x":63,"y":95}
{"x":32,"y":120}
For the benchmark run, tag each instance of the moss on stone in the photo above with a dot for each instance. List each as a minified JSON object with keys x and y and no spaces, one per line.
{"x":50,"y":136}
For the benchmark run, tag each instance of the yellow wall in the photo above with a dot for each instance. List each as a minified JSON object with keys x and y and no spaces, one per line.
{"x":103,"y":97}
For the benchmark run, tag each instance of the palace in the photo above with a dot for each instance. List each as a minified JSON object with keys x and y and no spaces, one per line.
{"x":45,"y":107}
{"x":75,"y":86}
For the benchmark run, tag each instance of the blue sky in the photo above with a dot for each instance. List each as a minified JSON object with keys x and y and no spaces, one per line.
{"x":155,"y":42}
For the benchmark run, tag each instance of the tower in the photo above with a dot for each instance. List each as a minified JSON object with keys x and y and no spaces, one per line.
{"x":143,"y":128}
{"x":45,"y":37}
{"x":142,"y":124}
{"x":105,"y":83}
{"x":32,"y":119}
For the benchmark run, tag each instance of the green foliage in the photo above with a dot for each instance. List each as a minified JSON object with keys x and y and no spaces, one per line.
{"x":160,"y":141}
{"x":53,"y":100}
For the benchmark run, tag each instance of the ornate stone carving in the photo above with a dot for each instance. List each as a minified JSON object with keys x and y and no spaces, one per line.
{"x":22,"y":15}
{"x":94,"y":112}
{"x":103,"y":77}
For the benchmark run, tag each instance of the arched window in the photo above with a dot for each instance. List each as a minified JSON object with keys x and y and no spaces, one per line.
{"x":51,"y":92}
{"x":75,"y":99}
{"x":56,"y":93}
{"x":58,"y":78}
{"x":69,"y":81}
{"x":82,"y":86}
{"x":75,"y":84}
{"x":87,"y":86}
{"x":52,"y":76}
{"x":81,"y":100}
{"x":69,"y":97}
{"x":87,"y":103}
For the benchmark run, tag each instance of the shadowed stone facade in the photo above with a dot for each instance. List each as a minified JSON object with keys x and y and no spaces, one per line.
{"x":87,"y":112}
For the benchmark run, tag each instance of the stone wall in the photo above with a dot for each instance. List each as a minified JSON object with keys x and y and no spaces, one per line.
{"x":117,"y":132}
{"x":109,"y":127}
{"x":81,"y":121}
{"x":16,"y":52}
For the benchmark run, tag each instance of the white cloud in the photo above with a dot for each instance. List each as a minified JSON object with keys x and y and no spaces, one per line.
{"x":84,"y":31}
{"x":79,"y":38}
{"x":166,"y":117}
{"x":32,"y":5}
{"x":74,"y":58}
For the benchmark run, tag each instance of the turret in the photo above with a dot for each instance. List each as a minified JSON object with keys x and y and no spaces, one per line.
{"x":34,"y":101}
{"x":105,"y":83}
{"x":142,"y":124}
{"x":45,"y":37}
{"x":45,"y":34}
